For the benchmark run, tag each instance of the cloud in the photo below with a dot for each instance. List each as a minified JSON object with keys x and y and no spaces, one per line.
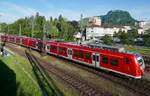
{"x":20,"y":9}
{"x":8,"y":18}
{"x":141,"y":12}
{"x":12,"y":12}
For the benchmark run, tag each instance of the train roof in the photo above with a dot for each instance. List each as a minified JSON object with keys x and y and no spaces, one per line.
{"x":91,"y":47}
{"x":107,"y":47}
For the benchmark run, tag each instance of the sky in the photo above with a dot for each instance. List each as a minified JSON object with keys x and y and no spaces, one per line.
{"x":11,"y":10}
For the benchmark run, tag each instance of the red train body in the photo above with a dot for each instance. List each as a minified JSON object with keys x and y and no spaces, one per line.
{"x":128,"y":64}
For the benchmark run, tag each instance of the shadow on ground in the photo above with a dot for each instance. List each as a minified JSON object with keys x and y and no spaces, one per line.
{"x":42,"y":80}
{"x":8,"y":85}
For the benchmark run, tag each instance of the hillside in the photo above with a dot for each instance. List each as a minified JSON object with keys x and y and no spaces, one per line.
{"x":118,"y":18}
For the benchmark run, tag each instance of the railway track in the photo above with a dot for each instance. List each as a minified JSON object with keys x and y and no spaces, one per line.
{"x":147,"y":62}
{"x":146,"y":59}
{"x":83,"y":87}
{"x":147,"y":67}
{"x":139,"y":87}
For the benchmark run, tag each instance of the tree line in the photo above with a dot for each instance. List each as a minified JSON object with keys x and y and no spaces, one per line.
{"x":131,"y":37}
{"x":37,"y":26}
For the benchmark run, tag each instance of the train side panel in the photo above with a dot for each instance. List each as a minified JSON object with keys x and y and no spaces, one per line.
{"x":25,"y":42}
{"x":33,"y":43}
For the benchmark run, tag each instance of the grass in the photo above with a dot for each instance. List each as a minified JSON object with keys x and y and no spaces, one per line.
{"x":144,"y":51}
{"x":27,"y":81}
{"x":55,"y":84}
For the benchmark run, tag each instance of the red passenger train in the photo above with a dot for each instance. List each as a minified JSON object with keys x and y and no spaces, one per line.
{"x":100,"y":56}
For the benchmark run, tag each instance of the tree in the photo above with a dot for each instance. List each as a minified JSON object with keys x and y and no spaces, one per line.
{"x":146,"y":37}
{"x":54,"y":27}
{"x":133,"y":33}
{"x":107,"y":40}
{"x":3,"y":27}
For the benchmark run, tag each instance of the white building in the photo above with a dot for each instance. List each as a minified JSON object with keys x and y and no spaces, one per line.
{"x":141,"y":31}
{"x":144,"y":25}
{"x":94,"y":21}
{"x":95,"y":30}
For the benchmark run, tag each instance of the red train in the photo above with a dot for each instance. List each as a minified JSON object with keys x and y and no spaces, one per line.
{"x":100,"y":56}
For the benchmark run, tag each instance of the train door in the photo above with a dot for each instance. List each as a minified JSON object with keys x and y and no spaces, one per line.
{"x":69,"y":52}
{"x":96,"y":59}
{"x":48,"y":48}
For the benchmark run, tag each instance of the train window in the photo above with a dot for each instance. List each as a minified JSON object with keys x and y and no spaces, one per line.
{"x":24,"y":41}
{"x":54,"y":48}
{"x":88,"y":55}
{"x":94,"y":57}
{"x":97,"y":58}
{"x":48,"y":47}
{"x":60,"y":50}
{"x":104,"y":60}
{"x":70,"y":52}
{"x":75,"y":53}
{"x":126,"y":60}
{"x":33,"y":43}
{"x":17,"y":41}
{"x":81,"y":54}
{"x":64,"y":50}
{"x":114,"y":62}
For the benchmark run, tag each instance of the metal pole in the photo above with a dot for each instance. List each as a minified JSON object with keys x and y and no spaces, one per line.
{"x":32,"y":27}
{"x":81,"y":26}
{"x":19,"y":29}
{"x":8,"y":29}
{"x":44,"y":32}
{"x":0,"y":23}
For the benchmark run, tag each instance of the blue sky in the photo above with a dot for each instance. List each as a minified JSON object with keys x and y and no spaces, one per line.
{"x":11,"y":10}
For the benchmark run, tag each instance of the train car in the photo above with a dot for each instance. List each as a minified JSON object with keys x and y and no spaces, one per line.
{"x":53,"y":48}
{"x":41,"y":45}
{"x":12,"y":39}
{"x":4,"y":38}
{"x":99,"y":56}
{"x":127,"y":64}
{"x":33,"y":43}
{"x":18,"y":40}
{"x":25,"y":41}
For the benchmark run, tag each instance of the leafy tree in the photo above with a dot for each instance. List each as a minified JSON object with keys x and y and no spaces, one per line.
{"x":53,"y":29}
{"x":146,"y":37}
{"x":56,"y":28}
{"x":127,"y":37}
{"x":133,"y":33}
{"x":107,"y":40}
{"x":3,"y":27}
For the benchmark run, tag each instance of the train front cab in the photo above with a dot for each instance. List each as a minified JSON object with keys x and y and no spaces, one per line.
{"x":140,"y":66}
{"x":122,"y":65}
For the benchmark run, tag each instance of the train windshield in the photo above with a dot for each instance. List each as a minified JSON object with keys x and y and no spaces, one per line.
{"x":139,"y":57}
{"x":141,"y":62}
